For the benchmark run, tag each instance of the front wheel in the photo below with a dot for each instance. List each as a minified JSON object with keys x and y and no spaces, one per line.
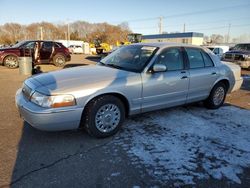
{"x":59,"y":60}
{"x":104,"y":116}
{"x":11,"y":62}
{"x":216,"y":97}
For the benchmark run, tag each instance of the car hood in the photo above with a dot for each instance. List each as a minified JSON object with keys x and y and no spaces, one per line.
{"x":78,"y":79}
{"x":8,"y":48}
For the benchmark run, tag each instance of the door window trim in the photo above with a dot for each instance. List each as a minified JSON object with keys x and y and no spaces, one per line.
{"x":201,"y":50}
{"x":181,"y":50}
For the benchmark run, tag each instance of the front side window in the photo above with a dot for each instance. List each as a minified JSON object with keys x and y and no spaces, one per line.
{"x":172,"y":59}
{"x":131,"y":58}
{"x":195,"y":58}
{"x":29,"y":45}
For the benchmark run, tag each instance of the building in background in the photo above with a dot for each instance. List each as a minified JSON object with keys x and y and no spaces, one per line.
{"x":187,"y":38}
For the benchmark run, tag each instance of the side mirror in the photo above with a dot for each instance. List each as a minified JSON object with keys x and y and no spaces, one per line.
{"x":159,"y":68}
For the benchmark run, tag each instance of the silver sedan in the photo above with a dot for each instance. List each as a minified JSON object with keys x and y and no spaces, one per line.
{"x":133,"y":79}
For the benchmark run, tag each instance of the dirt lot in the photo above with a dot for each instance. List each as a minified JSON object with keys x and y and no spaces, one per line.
{"x":184,"y":146}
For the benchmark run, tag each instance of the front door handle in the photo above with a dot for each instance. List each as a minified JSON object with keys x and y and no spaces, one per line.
{"x":184,"y":77}
{"x":214,"y":73}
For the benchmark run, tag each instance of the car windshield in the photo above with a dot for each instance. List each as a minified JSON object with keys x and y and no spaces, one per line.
{"x":19,"y":44}
{"x":242,"y":47}
{"x":131,"y":58}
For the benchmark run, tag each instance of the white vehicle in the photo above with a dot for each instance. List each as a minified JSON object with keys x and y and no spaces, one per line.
{"x":75,"y":49}
{"x":218,"y":50}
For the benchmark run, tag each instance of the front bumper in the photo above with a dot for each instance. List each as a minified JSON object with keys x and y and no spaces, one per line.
{"x":68,"y":58}
{"x":237,"y":85}
{"x":48,"y":119}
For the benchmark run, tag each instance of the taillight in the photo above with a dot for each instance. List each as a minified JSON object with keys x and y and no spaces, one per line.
{"x":66,"y":50}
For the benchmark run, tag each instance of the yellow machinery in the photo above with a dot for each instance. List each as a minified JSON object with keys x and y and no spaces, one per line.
{"x":134,"y":37}
{"x":101,"y":47}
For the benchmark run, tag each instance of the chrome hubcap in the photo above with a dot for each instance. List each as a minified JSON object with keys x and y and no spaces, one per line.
{"x":218,"y":95}
{"x":11,"y":62}
{"x":60,"y":60}
{"x":107,"y":118}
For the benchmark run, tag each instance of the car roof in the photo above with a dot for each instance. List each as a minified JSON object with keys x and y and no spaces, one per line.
{"x":166,"y":44}
{"x":39,"y":41}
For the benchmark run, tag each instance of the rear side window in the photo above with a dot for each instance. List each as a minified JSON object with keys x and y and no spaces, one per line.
{"x":207,"y":60}
{"x":195,"y":58}
{"x":172,"y":58}
{"x":47,"y":45}
{"x":198,"y":58}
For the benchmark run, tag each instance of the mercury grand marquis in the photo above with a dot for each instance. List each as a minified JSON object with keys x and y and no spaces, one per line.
{"x":133,"y":79}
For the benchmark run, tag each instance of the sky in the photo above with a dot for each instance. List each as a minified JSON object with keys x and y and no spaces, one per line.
{"x":208,"y":17}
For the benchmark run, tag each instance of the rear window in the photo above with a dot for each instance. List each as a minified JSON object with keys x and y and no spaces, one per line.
{"x":57,"y":45}
{"x":242,"y":47}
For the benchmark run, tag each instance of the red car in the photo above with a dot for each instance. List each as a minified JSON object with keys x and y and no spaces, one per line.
{"x":49,"y":52}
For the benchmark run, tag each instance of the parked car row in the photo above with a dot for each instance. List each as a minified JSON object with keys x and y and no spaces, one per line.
{"x":75,"y":49}
{"x":47,"y":52}
{"x":239,"y":54}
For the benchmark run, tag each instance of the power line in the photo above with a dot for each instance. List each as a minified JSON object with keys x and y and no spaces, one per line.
{"x":188,"y":13}
{"x":196,"y":23}
{"x":226,"y":26}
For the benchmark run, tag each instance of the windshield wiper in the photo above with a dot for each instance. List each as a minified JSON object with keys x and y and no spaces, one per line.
{"x":114,"y":66}
{"x":101,"y":63}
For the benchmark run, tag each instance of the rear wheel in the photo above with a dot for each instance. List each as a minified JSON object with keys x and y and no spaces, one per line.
{"x":59,"y":60}
{"x":216,"y":97}
{"x":11,"y":62}
{"x":104,"y":116}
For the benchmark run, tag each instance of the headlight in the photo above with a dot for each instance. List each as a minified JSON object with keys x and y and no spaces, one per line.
{"x":52,"y":101}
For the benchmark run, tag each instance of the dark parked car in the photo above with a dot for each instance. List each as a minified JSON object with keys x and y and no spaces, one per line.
{"x":49,"y":52}
{"x":239,"y":54}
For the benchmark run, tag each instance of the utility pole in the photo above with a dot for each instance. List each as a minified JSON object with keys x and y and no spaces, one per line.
{"x":228,"y":32}
{"x":184,"y":28}
{"x":68,"y":32}
{"x":41,"y":33}
{"x":160,"y":24}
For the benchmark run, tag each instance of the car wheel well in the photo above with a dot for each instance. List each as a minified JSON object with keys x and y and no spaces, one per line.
{"x":225,"y":82}
{"x":119,"y":96}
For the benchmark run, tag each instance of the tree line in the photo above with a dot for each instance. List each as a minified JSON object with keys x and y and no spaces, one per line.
{"x":10,"y":33}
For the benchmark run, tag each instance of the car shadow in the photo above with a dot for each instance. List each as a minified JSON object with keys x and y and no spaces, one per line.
{"x":40,"y":150}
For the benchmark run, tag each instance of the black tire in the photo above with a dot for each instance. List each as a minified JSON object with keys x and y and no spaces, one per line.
{"x":59,"y":60}
{"x":11,"y":62}
{"x":99,"y":51}
{"x":94,"y":108}
{"x":217,"y":96}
